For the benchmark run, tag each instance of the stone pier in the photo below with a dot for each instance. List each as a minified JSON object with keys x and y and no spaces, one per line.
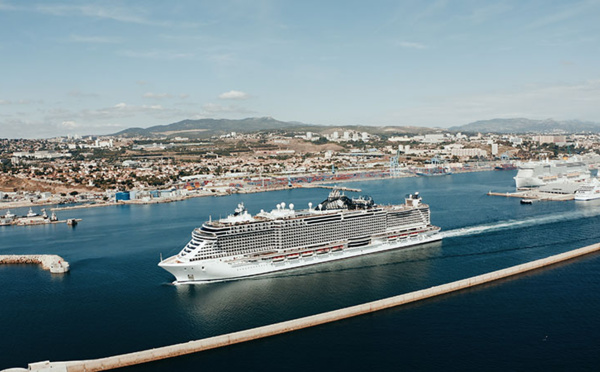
{"x":55,"y":264}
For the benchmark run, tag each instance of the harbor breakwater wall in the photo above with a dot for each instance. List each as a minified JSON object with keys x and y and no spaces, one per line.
{"x":55,"y":264}
{"x":129,"y":359}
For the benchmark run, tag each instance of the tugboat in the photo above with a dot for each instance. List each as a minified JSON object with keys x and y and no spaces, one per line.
{"x":7,"y":219}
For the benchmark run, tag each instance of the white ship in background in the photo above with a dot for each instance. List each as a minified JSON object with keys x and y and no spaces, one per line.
{"x":243,"y":245}
{"x":549,"y":172}
{"x":589,"y":191}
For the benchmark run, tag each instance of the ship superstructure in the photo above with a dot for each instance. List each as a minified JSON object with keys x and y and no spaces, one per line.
{"x":243,"y":245}
{"x":541,"y":173}
{"x":588,"y":191}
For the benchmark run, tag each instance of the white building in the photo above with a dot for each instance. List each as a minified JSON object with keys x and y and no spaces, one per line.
{"x":433,"y":138}
{"x":494,"y":149}
{"x":472,"y":152}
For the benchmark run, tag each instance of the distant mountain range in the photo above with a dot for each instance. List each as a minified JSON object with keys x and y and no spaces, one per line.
{"x":522,"y":125}
{"x":205,"y":128}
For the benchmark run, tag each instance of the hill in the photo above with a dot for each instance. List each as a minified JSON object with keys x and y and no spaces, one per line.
{"x":205,"y":128}
{"x":523,"y":125}
{"x":208,"y":127}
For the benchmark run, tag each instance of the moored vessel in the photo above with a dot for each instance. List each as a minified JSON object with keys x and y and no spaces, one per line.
{"x":242,"y":245}
{"x":541,"y":173}
{"x":589,"y":191}
{"x":505,"y":166}
{"x":439,"y":171}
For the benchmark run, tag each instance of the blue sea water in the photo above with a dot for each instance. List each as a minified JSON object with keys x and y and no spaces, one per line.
{"x":117,"y":300}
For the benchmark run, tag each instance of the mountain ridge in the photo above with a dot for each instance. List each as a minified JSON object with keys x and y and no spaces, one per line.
{"x":524,"y":125}
{"x":204,"y":128}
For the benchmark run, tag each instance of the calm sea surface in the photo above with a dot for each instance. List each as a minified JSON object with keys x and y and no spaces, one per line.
{"x":117,"y":300}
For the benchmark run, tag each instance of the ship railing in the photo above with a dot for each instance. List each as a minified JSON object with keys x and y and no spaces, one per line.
{"x":295,"y":250}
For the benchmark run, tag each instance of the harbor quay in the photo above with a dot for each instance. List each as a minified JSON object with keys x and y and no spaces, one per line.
{"x":145,"y":356}
{"x":51,"y":262}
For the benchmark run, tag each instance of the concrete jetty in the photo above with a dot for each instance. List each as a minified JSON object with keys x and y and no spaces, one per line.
{"x":534,"y":195}
{"x":341,"y":188}
{"x":55,"y":264}
{"x":145,"y":356}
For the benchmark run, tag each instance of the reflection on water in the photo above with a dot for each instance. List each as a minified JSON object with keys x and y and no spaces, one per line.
{"x":314,"y":289}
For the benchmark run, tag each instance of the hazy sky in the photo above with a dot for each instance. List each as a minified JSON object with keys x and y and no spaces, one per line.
{"x":96,"y":67}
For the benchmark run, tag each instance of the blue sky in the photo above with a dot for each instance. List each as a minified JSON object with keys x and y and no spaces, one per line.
{"x":96,"y":67}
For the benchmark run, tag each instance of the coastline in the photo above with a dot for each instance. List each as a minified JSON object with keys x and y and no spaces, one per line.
{"x":203,"y":193}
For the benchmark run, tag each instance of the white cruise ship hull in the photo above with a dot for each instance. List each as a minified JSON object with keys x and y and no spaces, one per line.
{"x":215,"y":270}
{"x":536,"y":174}
{"x":587,"y":197}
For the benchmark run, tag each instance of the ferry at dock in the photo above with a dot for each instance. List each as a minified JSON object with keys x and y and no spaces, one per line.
{"x":541,"y":173}
{"x":242,"y":245}
{"x":589,"y":191}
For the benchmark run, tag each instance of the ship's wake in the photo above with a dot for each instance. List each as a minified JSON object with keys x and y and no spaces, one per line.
{"x":511,"y":224}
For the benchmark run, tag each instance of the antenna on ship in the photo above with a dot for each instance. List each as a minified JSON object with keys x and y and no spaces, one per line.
{"x":161,"y":257}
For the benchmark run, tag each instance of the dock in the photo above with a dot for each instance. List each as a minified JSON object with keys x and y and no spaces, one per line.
{"x":341,"y":188}
{"x":534,"y":195}
{"x":164,"y":352}
{"x":51,"y":262}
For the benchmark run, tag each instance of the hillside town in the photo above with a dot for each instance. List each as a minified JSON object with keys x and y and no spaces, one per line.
{"x":108,"y":169}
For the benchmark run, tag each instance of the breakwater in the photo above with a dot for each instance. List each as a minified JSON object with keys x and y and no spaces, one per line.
{"x":309,"y":321}
{"x":55,"y":264}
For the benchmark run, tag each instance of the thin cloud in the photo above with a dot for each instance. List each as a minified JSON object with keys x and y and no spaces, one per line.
{"x":489,"y":11}
{"x":156,"y":54}
{"x":79,"y":94}
{"x":234,"y":94}
{"x":5,"y":102}
{"x":157,"y":95}
{"x":213,"y":108}
{"x":569,"y":10}
{"x":127,"y":15}
{"x":93,"y":39}
{"x":69,"y":124}
{"x":411,"y":45}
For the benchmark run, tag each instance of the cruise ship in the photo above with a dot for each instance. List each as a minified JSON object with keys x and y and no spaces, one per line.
{"x":541,"y":173}
{"x":588,"y":191}
{"x":242,"y":245}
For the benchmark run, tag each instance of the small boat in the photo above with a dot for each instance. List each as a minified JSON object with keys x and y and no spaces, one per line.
{"x":505,"y":166}
{"x":72,"y":222}
{"x":31,"y":213}
{"x":293,"y":256}
{"x":278,"y":258}
{"x":526,"y":201}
